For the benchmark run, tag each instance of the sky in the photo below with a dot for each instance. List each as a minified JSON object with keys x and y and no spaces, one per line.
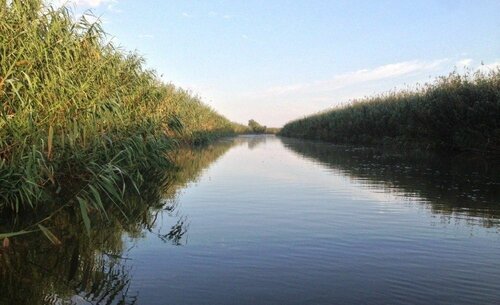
{"x":275,"y":61}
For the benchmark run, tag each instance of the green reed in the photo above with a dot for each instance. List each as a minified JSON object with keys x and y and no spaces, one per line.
{"x":456,"y":112}
{"x":80,"y":117}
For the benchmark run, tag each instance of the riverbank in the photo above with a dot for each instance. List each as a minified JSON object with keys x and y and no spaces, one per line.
{"x":81,"y":118}
{"x":456,"y":112}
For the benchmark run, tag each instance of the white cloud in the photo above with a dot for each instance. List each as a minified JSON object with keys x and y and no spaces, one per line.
{"x":146,"y":36}
{"x":279,"y":104}
{"x":112,"y":7}
{"x":466,"y":62}
{"x":360,"y":76}
{"x":186,"y":15}
{"x":489,"y":67}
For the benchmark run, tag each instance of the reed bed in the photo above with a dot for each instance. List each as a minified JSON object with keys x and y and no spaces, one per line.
{"x":80,"y":117}
{"x":456,"y":112}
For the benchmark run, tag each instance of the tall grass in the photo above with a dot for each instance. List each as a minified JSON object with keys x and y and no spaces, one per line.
{"x":80,"y":117}
{"x":457,"y":112}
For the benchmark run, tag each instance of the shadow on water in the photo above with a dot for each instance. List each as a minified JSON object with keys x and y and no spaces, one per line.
{"x":91,"y":269}
{"x":467,"y":186}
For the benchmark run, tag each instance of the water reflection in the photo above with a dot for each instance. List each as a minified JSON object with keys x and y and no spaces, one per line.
{"x":273,"y":227}
{"x":467,"y":185}
{"x":91,"y":269}
{"x":254,"y":141}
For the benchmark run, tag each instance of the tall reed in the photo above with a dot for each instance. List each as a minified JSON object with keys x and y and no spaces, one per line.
{"x":80,"y":117}
{"x":457,"y":112}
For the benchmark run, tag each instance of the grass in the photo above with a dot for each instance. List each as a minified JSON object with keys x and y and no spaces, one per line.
{"x":456,"y":112}
{"x":80,"y":117}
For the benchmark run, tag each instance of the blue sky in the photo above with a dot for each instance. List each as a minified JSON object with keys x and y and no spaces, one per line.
{"x":274,"y":61}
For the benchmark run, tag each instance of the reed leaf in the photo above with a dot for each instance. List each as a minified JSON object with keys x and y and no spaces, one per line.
{"x":50,"y":236}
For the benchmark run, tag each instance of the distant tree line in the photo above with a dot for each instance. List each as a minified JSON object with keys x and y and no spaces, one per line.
{"x":256,"y":127}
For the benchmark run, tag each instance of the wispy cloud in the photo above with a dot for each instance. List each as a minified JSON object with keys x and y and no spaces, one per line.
{"x":186,"y":15}
{"x":468,"y":64}
{"x":309,"y":97}
{"x":150,"y":36}
{"x":464,"y":63}
{"x":112,"y":7}
{"x":489,"y":67}
{"x":360,"y":76}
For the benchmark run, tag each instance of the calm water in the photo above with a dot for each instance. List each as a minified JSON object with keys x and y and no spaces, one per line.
{"x":266,"y":220}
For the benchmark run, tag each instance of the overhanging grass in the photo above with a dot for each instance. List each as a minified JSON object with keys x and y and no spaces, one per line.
{"x":80,"y":117}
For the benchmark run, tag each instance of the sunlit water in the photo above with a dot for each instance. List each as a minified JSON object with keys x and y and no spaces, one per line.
{"x":283,"y":221}
{"x":280,"y":221}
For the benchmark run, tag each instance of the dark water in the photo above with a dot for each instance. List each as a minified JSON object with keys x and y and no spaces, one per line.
{"x":265,"y":220}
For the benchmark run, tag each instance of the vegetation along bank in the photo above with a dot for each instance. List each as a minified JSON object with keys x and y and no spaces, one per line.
{"x":456,"y":112}
{"x":80,"y":118}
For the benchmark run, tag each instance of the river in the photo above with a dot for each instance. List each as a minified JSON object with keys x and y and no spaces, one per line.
{"x":269,"y":220}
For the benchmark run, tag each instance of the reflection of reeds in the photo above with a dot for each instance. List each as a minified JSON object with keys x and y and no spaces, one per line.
{"x":456,"y":112}
{"x":80,"y":117}
{"x":464,"y":185}
{"x":34,"y":271}
{"x":190,"y":162}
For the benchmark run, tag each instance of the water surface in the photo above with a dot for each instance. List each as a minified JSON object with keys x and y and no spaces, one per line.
{"x":268,"y":220}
